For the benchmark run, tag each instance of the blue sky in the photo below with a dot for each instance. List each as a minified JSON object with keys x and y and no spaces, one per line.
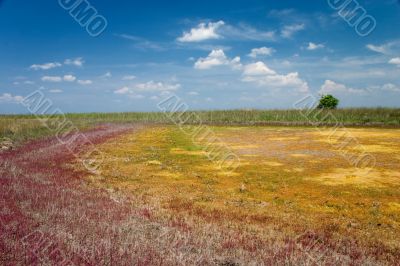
{"x":213,"y":54}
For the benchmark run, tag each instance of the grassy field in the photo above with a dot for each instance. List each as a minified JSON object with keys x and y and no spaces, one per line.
{"x":23,"y":127}
{"x":161,"y":195}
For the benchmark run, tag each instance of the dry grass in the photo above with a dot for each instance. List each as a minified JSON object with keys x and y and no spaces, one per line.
{"x":290,"y":181}
{"x":160,"y":201}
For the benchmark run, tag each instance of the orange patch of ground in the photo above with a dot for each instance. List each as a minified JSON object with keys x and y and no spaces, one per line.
{"x":304,"y":180}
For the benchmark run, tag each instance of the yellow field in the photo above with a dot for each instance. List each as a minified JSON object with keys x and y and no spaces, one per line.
{"x":289,"y":180}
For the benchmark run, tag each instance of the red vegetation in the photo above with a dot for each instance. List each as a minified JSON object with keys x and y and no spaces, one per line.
{"x":39,"y":191}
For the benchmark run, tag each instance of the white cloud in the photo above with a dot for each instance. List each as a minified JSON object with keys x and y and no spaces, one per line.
{"x":7,"y":97}
{"x":289,"y":30}
{"x":132,"y":77}
{"x":69,"y":78}
{"x":55,"y":91}
{"x":156,"y":86}
{"x":395,"y":61}
{"x":388,"y":48}
{"x":313,"y":46}
{"x":264,"y":76}
{"x":203,"y":31}
{"x":85,"y":82}
{"x":75,"y":62}
{"x":261,"y":51}
{"x":258,"y":69}
{"x":217,"y":58}
{"x":379,"y":49}
{"x":219,"y":30}
{"x":45,"y":66}
{"x":130,"y":92}
{"x":51,"y":79}
{"x":150,"y":86}
{"x":331,"y":87}
{"x":123,"y":90}
{"x":390,"y":87}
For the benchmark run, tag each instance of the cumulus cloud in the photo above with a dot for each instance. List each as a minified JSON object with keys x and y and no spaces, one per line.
{"x":69,"y":78}
{"x":289,"y":30}
{"x":264,"y":76}
{"x":331,"y":87}
{"x":84,"y":82}
{"x":266,"y":51}
{"x":395,"y":61}
{"x":8,"y":97}
{"x":258,"y":69}
{"x":217,"y":58}
{"x":150,"y":86}
{"x":219,"y":30}
{"x":313,"y":46}
{"x":45,"y":66}
{"x":75,"y":62}
{"x":203,"y":31}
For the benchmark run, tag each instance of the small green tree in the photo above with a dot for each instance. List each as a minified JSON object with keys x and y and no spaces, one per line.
{"x":328,"y":102}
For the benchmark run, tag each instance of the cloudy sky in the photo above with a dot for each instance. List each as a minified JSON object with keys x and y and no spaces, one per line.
{"x":213,"y":54}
